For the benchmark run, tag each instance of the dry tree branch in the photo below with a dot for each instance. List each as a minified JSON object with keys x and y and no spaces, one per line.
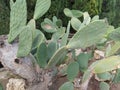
{"x":24,"y":67}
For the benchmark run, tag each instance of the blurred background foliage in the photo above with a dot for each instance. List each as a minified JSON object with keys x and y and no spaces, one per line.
{"x":4,"y":17}
{"x":104,"y":8}
{"x":110,"y":10}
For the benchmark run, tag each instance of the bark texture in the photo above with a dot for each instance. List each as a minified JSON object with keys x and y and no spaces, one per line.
{"x":20,"y":73}
{"x":23,"y":67}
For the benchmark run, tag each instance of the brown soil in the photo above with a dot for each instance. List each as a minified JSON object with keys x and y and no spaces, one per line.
{"x":93,"y":84}
{"x":115,"y":87}
{"x":57,"y":82}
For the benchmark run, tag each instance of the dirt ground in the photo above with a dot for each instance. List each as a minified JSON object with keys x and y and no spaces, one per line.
{"x":93,"y":84}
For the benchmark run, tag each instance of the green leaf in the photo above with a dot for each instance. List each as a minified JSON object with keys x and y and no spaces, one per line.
{"x":77,"y":13}
{"x":75,"y":23}
{"x":42,"y":55}
{"x":58,"y":34}
{"x":11,"y":3}
{"x":65,"y":36}
{"x":87,"y":35}
{"x":59,"y":23}
{"x":88,"y":73}
{"x":32,"y":24}
{"x":107,"y":64}
{"x":72,"y":71}
{"x":83,"y":59}
{"x":68,"y":13}
{"x":110,"y":30}
{"x":104,"y":76}
{"x":57,"y":57}
{"x":18,"y":17}
{"x":41,"y":8}
{"x":114,"y":49}
{"x":104,"y":86}
{"x":25,"y":42}
{"x":1,"y":88}
{"x":101,"y":66}
{"x":67,"y":86}
{"x":117,"y":77}
{"x":52,"y":47}
{"x":49,"y":26}
{"x":38,"y":38}
{"x":96,"y":17}
{"x":54,"y":19}
{"x":107,"y":51}
{"x":115,"y":35}
{"x":72,"y":13}
{"x":87,"y":18}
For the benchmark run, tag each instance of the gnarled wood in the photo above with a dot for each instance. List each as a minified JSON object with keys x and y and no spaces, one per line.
{"x":24,"y":67}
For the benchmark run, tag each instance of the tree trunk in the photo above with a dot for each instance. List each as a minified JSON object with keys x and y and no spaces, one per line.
{"x":20,"y":73}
